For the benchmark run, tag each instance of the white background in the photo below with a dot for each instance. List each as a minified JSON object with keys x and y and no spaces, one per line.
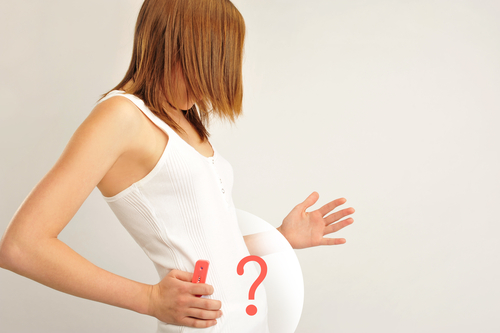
{"x":393,"y":105}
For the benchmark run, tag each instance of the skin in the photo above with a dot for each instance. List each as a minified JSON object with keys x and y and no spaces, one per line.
{"x":114,"y":147}
{"x":306,"y":229}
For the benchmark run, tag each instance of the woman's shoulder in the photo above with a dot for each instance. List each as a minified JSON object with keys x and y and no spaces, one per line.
{"x":140,"y":143}
{"x":117,"y":106}
{"x":117,"y":120}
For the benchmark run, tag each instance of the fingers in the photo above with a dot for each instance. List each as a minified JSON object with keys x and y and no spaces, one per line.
{"x":311,"y":200}
{"x":174,"y":301}
{"x":331,"y":206}
{"x":212,"y":305}
{"x":338,"y":215}
{"x":204,"y":303}
{"x":332,"y":241}
{"x":181,"y":275}
{"x":202,"y":312}
{"x":192,"y":288}
{"x":337,"y":226}
{"x":200,"y":289}
{"x":197,"y":323}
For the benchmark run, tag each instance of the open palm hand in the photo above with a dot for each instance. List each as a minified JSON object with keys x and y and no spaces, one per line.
{"x":306,"y":229}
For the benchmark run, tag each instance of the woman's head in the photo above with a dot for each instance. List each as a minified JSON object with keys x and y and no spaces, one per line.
{"x":188,"y":49}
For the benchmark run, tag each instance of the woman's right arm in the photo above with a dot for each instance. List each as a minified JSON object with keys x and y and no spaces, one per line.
{"x":30,"y":246}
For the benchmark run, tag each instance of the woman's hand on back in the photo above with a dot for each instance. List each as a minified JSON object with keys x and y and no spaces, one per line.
{"x":173,"y":301}
{"x":30,"y":245}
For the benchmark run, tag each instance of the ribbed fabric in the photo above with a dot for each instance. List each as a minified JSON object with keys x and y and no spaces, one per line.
{"x":182,"y":211}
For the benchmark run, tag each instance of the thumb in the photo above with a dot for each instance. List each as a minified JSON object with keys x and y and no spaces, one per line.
{"x":181,"y":275}
{"x":311,"y":200}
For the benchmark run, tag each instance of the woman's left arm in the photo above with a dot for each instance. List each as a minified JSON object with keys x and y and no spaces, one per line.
{"x":306,"y":229}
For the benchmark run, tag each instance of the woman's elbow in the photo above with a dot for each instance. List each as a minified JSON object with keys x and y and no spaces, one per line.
{"x":9,"y":253}
{"x":3,"y":253}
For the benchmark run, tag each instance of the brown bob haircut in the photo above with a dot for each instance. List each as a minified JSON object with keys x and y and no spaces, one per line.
{"x":199,"y":39}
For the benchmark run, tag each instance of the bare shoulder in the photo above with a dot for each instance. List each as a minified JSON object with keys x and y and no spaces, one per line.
{"x":117,"y":111}
{"x":117,"y":122}
{"x":110,"y":131}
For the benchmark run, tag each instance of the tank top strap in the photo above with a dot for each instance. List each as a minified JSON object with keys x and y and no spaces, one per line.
{"x":142,"y":106}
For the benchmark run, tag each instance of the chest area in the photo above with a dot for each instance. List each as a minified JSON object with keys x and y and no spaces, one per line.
{"x":188,"y":168}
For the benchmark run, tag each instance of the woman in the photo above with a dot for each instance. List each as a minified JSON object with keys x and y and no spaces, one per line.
{"x":145,"y":146}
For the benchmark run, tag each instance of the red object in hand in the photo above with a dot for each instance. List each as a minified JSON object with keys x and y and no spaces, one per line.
{"x":200,"y":272}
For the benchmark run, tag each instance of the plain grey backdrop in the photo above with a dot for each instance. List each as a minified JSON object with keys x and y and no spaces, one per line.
{"x":391,"y":104}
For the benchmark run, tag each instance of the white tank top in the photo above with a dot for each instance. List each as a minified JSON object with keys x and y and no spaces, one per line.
{"x":182,"y":211}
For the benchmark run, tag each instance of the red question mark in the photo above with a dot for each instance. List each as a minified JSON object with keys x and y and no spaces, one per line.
{"x":252,"y":309}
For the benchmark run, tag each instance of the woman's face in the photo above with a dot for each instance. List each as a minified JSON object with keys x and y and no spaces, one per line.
{"x":183,"y":100}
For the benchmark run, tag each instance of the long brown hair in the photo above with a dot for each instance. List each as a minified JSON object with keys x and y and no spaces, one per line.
{"x":201,"y":38}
